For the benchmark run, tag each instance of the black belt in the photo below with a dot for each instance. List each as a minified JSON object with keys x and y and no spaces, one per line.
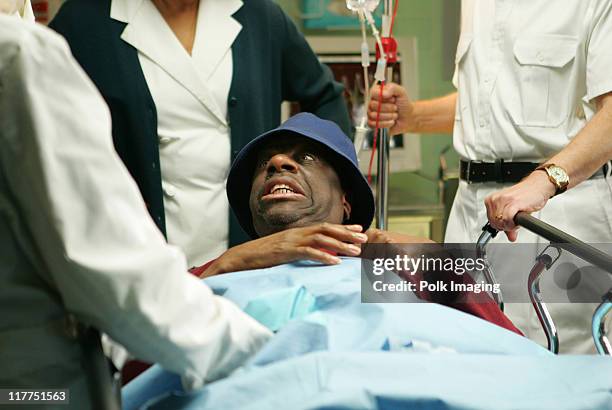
{"x":501,"y":171}
{"x":498,"y":171}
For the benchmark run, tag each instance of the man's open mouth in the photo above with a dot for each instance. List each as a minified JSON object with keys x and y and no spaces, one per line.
{"x":282,"y":188}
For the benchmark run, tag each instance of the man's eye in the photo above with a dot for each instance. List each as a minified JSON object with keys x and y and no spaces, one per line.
{"x":262,"y":163}
{"x":307,"y":157}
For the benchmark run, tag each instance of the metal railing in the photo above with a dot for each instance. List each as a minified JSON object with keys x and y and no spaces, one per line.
{"x":560,"y":241}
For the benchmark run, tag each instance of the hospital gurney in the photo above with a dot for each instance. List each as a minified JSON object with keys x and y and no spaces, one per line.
{"x":559,"y":241}
{"x":331,"y":350}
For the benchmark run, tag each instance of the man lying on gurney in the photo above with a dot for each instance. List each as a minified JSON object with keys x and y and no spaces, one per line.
{"x":293,"y":188}
{"x":299,"y":191}
{"x":331,"y":350}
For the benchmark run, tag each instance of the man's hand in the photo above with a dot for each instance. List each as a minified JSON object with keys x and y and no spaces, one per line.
{"x":395,"y":111}
{"x":529,"y":195}
{"x":400,"y":114}
{"x":380,"y":236}
{"x":313,"y":243}
{"x":397,"y":244}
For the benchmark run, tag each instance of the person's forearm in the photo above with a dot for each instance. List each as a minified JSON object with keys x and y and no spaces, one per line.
{"x":434,"y":116}
{"x":591,"y":148}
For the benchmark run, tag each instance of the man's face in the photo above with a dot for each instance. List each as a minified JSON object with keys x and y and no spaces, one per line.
{"x":294,"y":185}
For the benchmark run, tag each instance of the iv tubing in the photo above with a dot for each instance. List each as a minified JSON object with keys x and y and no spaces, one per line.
{"x":366,"y":76}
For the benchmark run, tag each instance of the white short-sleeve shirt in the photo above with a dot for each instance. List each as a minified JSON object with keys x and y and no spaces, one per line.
{"x":527,"y":72}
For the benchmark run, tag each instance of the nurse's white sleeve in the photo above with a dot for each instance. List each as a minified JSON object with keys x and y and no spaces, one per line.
{"x":599,"y":49}
{"x":90,"y":226}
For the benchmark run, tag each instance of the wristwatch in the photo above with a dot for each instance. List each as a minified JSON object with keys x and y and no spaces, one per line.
{"x":557,"y":175}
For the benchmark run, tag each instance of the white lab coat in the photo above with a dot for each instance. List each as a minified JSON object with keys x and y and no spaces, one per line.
{"x":527,"y":73}
{"x":76,"y":238}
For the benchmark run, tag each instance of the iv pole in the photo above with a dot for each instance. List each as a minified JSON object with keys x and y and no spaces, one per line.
{"x":386,"y":53}
{"x":382,"y":181}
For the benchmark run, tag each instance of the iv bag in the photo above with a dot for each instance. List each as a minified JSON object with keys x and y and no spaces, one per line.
{"x":356,"y":5}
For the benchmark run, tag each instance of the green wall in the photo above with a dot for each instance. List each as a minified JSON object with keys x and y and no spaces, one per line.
{"x":427,"y":21}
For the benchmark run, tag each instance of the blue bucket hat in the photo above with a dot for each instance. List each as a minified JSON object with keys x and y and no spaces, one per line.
{"x":340,"y":148}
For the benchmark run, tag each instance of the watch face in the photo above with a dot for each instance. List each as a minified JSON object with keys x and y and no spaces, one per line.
{"x":559,"y":174}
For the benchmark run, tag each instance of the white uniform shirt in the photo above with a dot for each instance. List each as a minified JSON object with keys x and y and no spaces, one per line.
{"x":526,"y":72}
{"x":190,"y":93}
{"x":76,"y":237}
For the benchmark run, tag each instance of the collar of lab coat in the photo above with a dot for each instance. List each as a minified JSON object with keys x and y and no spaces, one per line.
{"x":27,"y":13}
{"x":146,"y":29}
